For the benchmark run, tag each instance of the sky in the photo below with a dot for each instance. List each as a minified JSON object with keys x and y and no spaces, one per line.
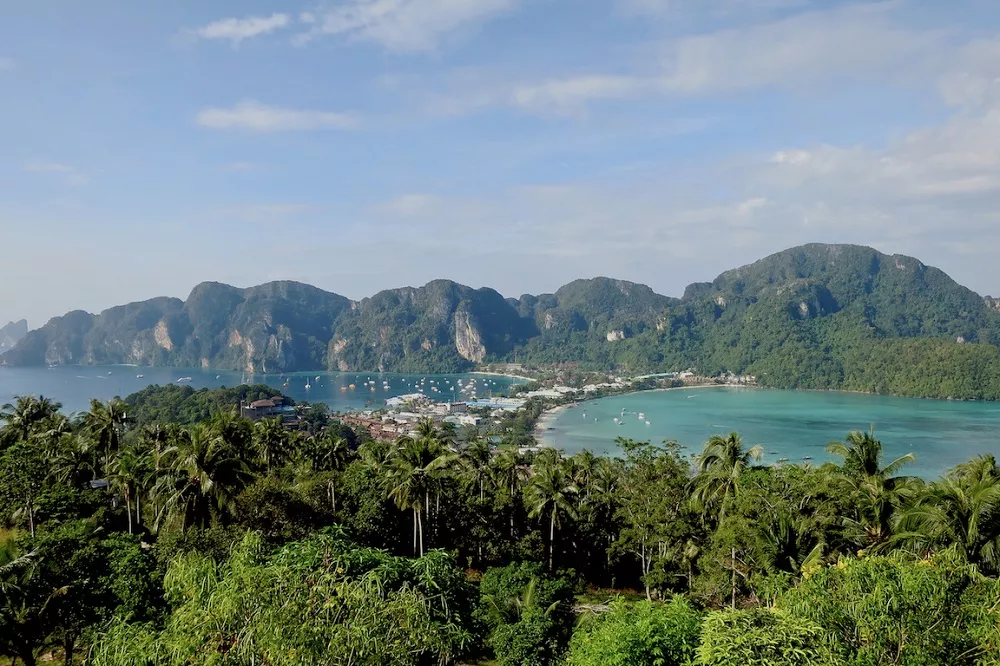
{"x":359,"y":145}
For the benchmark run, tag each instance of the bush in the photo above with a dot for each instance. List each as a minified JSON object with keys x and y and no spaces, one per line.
{"x":761,"y":637}
{"x":641,"y":634}
{"x":894,"y":610}
{"x":527,"y":616}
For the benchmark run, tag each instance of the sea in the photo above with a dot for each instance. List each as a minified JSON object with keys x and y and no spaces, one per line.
{"x":74,"y":386}
{"x":792,"y":425}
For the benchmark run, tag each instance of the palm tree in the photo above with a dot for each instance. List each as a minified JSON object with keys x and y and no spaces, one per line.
{"x":510,"y":471}
{"x":206,"y":474}
{"x":271,"y":441}
{"x":476,"y":459}
{"x":26,"y":412}
{"x":106,"y":423}
{"x":129,"y":472}
{"x":962,"y":511}
{"x":551,"y":490}
{"x":877,"y":495}
{"x":407,"y":483}
{"x":862,"y":455}
{"x":72,"y":461}
{"x":720,"y":467}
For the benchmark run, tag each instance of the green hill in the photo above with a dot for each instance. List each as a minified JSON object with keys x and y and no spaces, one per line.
{"x":817,"y":316}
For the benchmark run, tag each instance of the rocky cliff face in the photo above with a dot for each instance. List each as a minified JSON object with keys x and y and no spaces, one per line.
{"x":11,"y":334}
{"x":810,"y":299}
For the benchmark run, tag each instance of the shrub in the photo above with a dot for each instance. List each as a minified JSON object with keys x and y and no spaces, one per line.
{"x":761,"y":637}
{"x":641,"y":634}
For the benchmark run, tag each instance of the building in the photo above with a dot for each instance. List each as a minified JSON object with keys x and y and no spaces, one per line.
{"x":270,"y":408}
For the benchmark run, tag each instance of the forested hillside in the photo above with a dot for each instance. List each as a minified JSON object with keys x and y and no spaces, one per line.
{"x":817,"y":316}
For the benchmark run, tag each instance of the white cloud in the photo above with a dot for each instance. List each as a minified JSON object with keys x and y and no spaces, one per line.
{"x":48,"y":167}
{"x":403,"y":25}
{"x":255,"y":116}
{"x":808,"y":49}
{"x":858,"y":42}
{"x":237,"y":29}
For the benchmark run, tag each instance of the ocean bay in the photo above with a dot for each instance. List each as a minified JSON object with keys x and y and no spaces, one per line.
{"x":74,"y":386}
{"x":796,"y":425}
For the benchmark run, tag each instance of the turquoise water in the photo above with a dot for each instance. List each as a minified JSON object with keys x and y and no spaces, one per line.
{"x":74,"y":386}
{"x":788,"y":424}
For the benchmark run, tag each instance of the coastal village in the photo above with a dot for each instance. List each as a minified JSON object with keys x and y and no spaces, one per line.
{"x":400,"y":415}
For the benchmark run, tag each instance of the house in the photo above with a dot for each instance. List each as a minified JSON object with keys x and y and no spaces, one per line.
{"x":270,"y":408}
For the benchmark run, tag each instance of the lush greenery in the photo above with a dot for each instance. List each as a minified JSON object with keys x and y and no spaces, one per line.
{"x":818,"y":316}
{"x":221,"y":541}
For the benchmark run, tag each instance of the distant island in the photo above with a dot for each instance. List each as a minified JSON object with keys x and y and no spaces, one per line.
{"x":11,"y":334}
{"x":817,"y":316}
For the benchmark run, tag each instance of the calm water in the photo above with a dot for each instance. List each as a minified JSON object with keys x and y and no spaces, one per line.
{"x":74,"y":386}
{"x":791,"y":424}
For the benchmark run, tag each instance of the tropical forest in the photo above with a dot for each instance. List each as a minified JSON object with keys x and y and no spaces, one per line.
{"x":166,"y":530}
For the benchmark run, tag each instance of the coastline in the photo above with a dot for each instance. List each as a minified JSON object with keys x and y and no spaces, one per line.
{"x":552,"y":413}
{"x":502,"y":374}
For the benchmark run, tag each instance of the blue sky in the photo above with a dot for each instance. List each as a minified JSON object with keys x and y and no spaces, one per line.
{"x":366,"y":144}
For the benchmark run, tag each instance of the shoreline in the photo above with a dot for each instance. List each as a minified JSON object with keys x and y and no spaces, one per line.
{"x":550,"y":414}
{"x":502,"y":374}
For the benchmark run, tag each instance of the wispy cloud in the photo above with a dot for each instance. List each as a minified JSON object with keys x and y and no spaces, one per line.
{"x":403,"y":25}
{"x":73,"y":176}
{"x":238,"y":29}
{"x":257,"y":117}
{"x":807,"y":48}
{"x":266,"y":212}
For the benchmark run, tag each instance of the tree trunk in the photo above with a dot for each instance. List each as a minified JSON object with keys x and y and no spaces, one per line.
{"x":69,"y":644}
{"x":645,"y":570}
{"x":128,"y":511}
{"x":28,"y":655}
{"x":733,"y":564}
{"x":552,"y":537}
{"x":420,"y":525}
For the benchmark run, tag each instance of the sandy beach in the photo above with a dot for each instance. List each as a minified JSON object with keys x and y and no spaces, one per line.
{"x":550,"y":415}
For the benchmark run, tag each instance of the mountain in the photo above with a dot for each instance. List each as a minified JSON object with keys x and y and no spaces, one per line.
{"x":11,"y":334}
{"x":816,"y":316}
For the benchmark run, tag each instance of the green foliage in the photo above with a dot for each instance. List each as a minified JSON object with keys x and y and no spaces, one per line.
{"x":761,"y":637}
{"x":339,"y":605}
{"x":184,"y":405}
{"x":640,"y":634}
{"x":894,"y":610}
{"x":526,"y":614}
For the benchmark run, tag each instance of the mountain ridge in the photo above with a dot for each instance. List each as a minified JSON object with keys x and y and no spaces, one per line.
{"x":808,"y":316}
{"x":11,"y":334}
